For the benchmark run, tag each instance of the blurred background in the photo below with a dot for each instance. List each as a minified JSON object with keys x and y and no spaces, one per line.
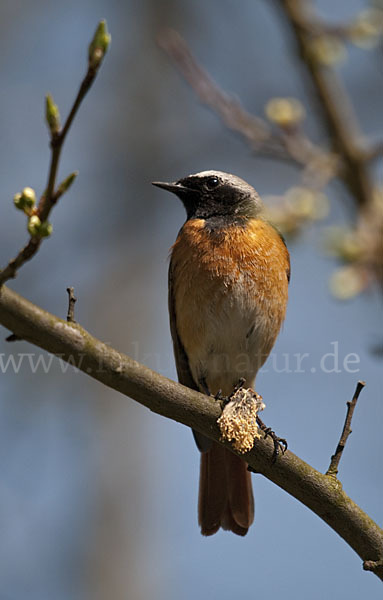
{"x":98,"y":496}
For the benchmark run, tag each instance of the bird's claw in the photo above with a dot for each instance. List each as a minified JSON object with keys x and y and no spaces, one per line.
{"x":226,"y":399}
{"x":280,"y":444}
{"x":241,"y":382}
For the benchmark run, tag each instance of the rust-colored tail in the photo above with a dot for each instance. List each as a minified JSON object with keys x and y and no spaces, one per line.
{"x":225,"y":492}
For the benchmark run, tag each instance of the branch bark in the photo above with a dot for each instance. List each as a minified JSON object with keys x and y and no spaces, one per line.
{"x":321,"y":493}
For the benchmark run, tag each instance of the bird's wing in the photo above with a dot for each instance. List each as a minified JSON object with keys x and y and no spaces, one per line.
{"x":182,"y":362}
{"x":288,"y":269}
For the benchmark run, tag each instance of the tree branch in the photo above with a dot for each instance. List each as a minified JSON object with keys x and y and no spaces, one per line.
{"x":72,"y":343}
{"x":335,"y":106}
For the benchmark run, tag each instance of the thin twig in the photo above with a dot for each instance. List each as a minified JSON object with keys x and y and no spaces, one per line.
{"x":57,"y":141}
{"x":316,"y":26}
{"x":375,"y":151}
{"x":256,"y":131}
{"x":50,"y":196}
{"x":332,"y":471}
{"x":25,"y":254}
{"x":71,"y":302}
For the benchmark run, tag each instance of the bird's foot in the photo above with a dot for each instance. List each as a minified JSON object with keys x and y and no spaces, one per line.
{"x":226,"y":399}
{"x":280,"y":444}
{"x":240,"y":383}
{"x":218,"y":396}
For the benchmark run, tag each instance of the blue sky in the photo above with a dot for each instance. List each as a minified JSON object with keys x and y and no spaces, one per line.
{"x":95,"y":489}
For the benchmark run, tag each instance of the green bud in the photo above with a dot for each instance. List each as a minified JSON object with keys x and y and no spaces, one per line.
{"x":301,"y":201}
{"x":285,"y":112}
{"x":52,"y":114}
{"x":18,"y":201}
{"x":346,"y":283}
{"x":29,"y":197}
{"x":367,"y":28}
{"x":328,"y":50}
{"x":38,"y":229}
{"x":45,"y":229}
{"x":25,"y":200}
{"x":33,"y":225}
{"x":99,"y":44}
{"x":65,"y":185}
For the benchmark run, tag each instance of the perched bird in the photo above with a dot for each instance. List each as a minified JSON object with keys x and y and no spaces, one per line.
{"x":228,"y":286}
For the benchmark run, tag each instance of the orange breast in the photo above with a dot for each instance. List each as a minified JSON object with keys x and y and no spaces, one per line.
{"x":226,"y":282}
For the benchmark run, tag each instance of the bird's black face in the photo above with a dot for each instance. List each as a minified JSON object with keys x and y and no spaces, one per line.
{"x":215,"y":195}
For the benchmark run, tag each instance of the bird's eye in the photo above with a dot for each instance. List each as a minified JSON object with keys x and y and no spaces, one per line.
{"x":212,"y":182}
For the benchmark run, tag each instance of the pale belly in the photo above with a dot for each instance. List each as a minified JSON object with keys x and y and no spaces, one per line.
{"x":229,"y":339}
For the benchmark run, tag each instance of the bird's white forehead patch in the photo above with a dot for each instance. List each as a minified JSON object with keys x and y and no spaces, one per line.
{"x":211,"y":173}
{"x":228,"y":177}
{"x":220,"y":174}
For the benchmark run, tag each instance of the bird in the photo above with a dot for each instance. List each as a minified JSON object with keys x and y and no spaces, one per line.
{"x":228,"y":287}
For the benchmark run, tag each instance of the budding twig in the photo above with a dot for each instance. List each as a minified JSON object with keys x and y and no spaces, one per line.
{"x":38,"y":227}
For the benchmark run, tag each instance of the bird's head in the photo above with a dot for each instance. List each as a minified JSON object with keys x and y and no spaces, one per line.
{"x":215,"y":195}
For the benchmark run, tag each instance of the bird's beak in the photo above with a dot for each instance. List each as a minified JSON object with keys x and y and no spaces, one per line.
{"x":175,"y":188}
